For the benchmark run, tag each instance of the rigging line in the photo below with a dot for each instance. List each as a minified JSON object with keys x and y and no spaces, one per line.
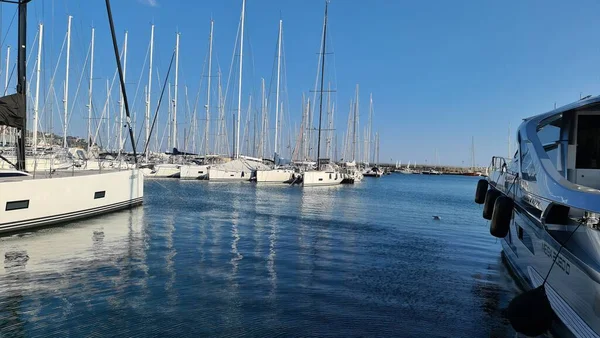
{"x":78,"y":86}
{"x":137,"y":89}
{"x":162,"y":93}
{"x":562,"y":245}
{"x":9,"y":27}
{"x":121,"y":78}
{"x":51,"y":87}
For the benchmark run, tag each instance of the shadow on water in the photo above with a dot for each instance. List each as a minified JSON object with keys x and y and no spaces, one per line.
{"x":202,"y":259}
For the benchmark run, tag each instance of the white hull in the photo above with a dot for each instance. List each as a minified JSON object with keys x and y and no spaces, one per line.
{"x":162,"y":171}
{"x":274,"y":176}
{"x":228,"y":175}
{"x":569,"y":285}
{"x":321,"y":178}
{"x":194,"y":172}
{"x":30,"y":202}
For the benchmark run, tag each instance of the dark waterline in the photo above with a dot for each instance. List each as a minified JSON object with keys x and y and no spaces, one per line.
{"x":210,"y":259}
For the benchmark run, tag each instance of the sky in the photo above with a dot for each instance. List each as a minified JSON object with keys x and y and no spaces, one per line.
{"x":440,"y":72}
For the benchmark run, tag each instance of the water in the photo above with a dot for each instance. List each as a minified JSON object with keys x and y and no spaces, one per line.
{"x":220,"y":259}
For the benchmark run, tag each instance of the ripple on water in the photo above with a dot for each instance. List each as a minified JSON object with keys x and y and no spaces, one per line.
{"x":204,"y":259}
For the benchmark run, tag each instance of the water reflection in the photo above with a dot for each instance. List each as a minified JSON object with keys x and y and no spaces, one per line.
{"x":239,"y":259}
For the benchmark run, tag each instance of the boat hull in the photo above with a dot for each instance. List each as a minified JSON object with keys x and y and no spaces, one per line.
{"x":162,"y":171}
{"x":573,"y":287}
{"x":37,"y":202}
{"x":219,"y":175}
{"x":274,"y":176}
{"x":194,"y":172}
{"x":321,"y":178}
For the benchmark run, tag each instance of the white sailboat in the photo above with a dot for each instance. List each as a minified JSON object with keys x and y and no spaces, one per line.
{"x":31,"y":201}
{"x":276,"y":174}
{"x":326,"y":173}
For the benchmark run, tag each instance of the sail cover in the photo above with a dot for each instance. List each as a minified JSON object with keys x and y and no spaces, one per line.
{"x":12,"y":113}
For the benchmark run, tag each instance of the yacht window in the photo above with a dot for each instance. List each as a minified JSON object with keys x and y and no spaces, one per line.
{"x":588,"y":142}
{"x":527,"y":166}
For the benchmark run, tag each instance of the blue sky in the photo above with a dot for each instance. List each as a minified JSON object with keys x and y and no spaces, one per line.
{"x":440,"y":72}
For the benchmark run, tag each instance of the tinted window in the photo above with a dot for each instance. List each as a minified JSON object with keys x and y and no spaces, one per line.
{"x":527,"y":166}
{"x":588,"y":142}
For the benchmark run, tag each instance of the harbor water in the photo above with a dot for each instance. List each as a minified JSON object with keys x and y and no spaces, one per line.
{"x":223,"y":259}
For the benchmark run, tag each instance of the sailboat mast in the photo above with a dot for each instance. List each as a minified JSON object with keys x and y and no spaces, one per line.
{"x":278,"y":82}
{"x":66,"y":99}
{"x":370,"y":131}
{"x":239,"y":110}
{"x":354,"y":123}
{"x":148,"y":94}
{"x":38,"y":71}
{"x":263,"y":109}
{"x":89,"y":105}
{"x":174,"y":138}
{"x":121,"y":107}
{"x":6,"y":71}
{"x":22,"y":81}
{"x":107,"y":116}
{"x":207,"y":127}
{"x":322,"y":83}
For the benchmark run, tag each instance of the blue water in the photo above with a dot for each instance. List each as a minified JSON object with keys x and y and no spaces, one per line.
{"x":221,"y":259}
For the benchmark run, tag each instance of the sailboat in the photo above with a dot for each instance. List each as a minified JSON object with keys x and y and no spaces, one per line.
{"x":406,"y":170}
{"x":325,"y":173}
{"x":276,"y":174}
{"x":241,"y":168}
{"x":31,"y":201}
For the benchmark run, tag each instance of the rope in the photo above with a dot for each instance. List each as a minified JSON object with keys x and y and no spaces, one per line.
{"x":560,"y":249}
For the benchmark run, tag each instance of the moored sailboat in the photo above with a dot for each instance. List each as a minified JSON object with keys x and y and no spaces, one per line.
{"x":31,"y":202}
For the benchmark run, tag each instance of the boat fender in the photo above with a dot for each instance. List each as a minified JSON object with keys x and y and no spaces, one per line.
{"x":530,"y":313}
{"x":501,"y":217}
{"x":490,"y":199}
{"x":480,"y":192}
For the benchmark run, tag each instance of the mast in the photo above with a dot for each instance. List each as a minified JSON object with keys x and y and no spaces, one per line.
{"x":239,"y":109}
{"x":107,"y":116}
{"x":121,"y":96}
{"x":207,"y":127}
{"x":148,"y":93}
{"x":370,"y":131}
{"x":322,"y":82}
{"x":22,"y":81}
{"x":174,"y":138}
{"x":66,"y":99}
{"x":263,"y":109}
{"x":6,"y":70}
{"x":278,"y":81}
{"x":89,"y":105}
{"x":37,"y":89}
{"x":354,"y":122}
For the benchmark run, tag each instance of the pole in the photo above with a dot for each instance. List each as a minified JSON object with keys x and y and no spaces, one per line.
{"x":322,"y":82}
{"x":207,"y":127}
{"x":174,"y":139}
{"x":121,"y":77}
{"x":148,"y":93}
{"x":121,"y":96}
{"x":278,"y":81}
{"x":89,"y":106}
{"x":37,"y":90}
{"x":22,"y":81}
{"x":354,"y":126}
{"x":239,"y":110}
{"x":6,"y":70}
{"x":66,"y":99}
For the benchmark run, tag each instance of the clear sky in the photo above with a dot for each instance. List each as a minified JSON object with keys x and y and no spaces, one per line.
{"x":440,"y":72}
